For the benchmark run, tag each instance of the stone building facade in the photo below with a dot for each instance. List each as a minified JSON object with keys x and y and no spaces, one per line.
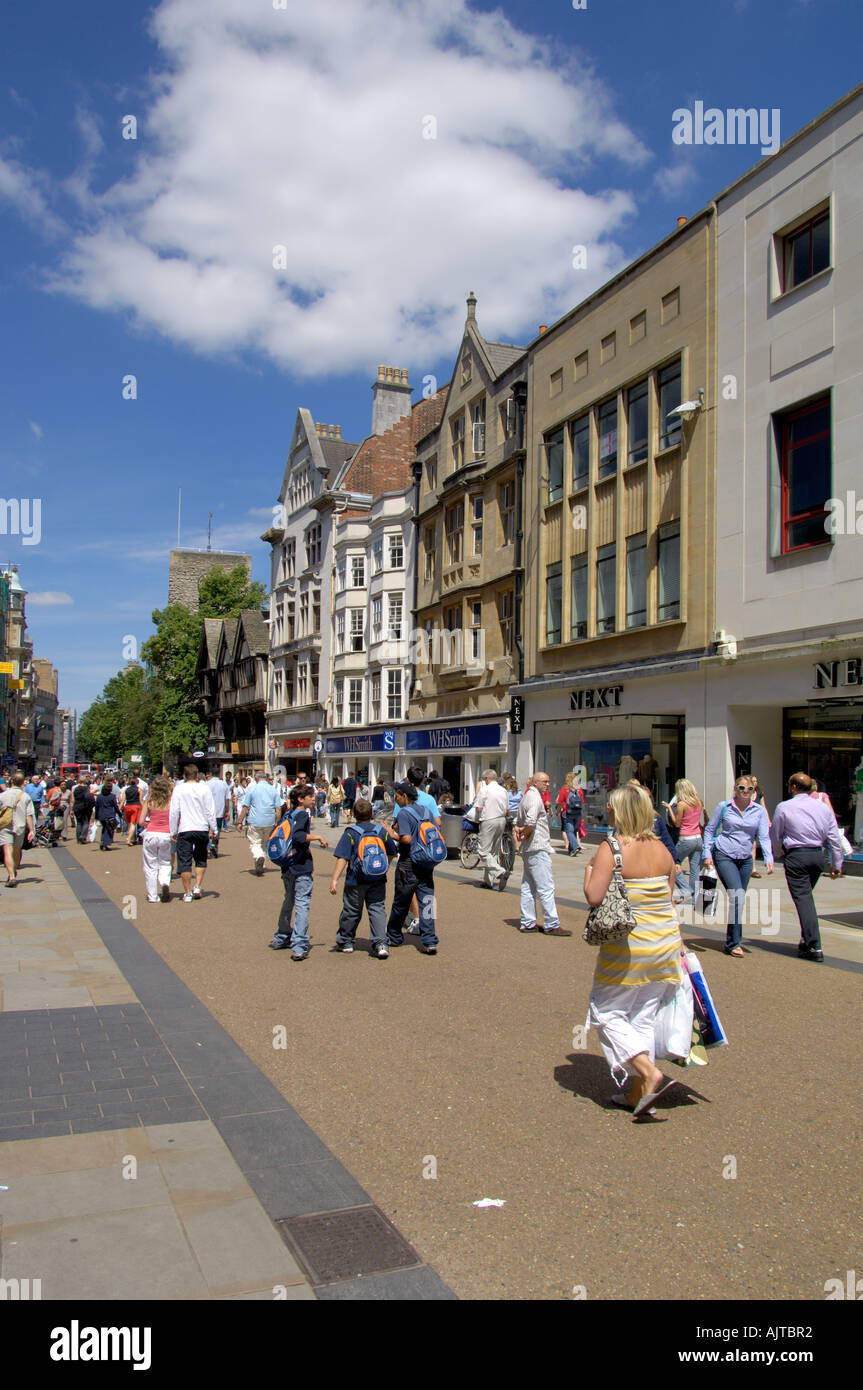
{"x":188,"y":567}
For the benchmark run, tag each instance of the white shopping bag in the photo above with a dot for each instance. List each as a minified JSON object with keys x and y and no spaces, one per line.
{"x":92,"y":832}
{"x":673,"y":1027}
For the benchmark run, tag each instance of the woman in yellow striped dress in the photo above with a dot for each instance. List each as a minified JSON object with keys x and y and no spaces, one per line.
{"x":636,"y":974}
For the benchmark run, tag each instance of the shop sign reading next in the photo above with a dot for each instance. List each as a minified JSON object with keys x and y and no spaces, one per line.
{"x":830,"y":674}
{"x":596,"y":697}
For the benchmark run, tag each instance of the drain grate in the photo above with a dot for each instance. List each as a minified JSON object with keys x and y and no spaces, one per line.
{"x":335,"y":1245}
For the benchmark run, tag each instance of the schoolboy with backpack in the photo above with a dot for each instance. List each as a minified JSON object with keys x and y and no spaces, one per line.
{"x":363,"y":854}
{"x":421,"y":846}
{"x":288,"y":846}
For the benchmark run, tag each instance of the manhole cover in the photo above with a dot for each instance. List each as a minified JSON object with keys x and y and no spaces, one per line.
{"x":338,"y":1245}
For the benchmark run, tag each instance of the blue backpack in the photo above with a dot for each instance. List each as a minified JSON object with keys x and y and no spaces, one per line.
{"x":370,"y":853}
{"x":279,"y":845}
{"x":427,"y":844}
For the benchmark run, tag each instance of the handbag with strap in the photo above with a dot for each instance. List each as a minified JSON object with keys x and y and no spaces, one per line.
{"x":7,"y":813}
{"x":613,"y":918}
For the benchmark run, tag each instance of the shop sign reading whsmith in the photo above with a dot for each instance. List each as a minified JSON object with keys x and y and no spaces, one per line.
{"x":453,"y":740}
{"x":357,"y":743}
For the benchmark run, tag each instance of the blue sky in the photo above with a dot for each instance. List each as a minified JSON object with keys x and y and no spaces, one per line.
{"x":307,"y":127}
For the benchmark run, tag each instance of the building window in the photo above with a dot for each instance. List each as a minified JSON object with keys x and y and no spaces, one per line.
{"x":290,"y":559}
{"x":636,"y":580}
{"x":314,"y":673}
{"x":508,"y":418}
{"x":465,"y":369}
{"x":578,"y":595}
{"x":580,"y":433}
{"x":505,"y":608}
{"x":291,"y":623}
{"x":340,"y":632}
{"x":355,"y":702}
{"x":377,"y":556}
{"x":289,"y":687}
{"x":477,"y":416}
{"x":454,"y":528}
{"x":476,"y":524}
{"x":358,"y":571}
{"x":608,"y":438}
{"x":430,"y":552}
{"x":636,"y":421}
{"x":606,"y":584}
{"x":394,"y":694}
{"x":304,"y":613}
{"x":554,"y":464}
{"x":452,"y":619}
{"x":339,"y":701}
{"x":358,"y":623}
{"x":278,"y":687}
{"x":377,"y":618}
{"x":477,"y":636}
{"x":507,"y":511}
{"x":804,"y":452}
{"x":553,"y":603}
{"x":376,"y":696}
{"x":340,"y":577}
{"x":303,"y":684}
{"x":806,"y":251}
{"x":316,"y":610}
{"x":669,"y":399}
{"x":395,"y":618}
{"x":397,"y":553}
{"x":457,"y":441}
{"x":668,"y":568}
{"x":431,"y":473}
{"x":313,"y":545}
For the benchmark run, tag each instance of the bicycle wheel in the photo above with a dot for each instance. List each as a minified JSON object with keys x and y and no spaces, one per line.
{"x":507,"y":851}
{"x":469,"y":852}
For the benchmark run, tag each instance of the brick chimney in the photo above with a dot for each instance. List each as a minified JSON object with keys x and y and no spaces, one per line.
{"x":392,"y":398}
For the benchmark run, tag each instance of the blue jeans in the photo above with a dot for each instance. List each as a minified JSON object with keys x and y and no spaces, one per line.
{"x":734,"y":875}
{"x":298,"y":895}
{"x":537,"y":888}
{"x":409,"y":879}
{"x":690,"y":847}
{"x":570,"y":826}
{"x":335,"y":812}
{"x":374,"y":895}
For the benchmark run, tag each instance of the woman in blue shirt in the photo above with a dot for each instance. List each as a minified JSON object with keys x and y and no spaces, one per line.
{"x":728,"y":842}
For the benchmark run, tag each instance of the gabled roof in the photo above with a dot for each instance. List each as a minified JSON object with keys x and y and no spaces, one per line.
{"x":328,"y":455}
{"x":226,"y":640}
{"x":252,"y":626}
{"x":209,"y":649}
{"x":502,"y":355}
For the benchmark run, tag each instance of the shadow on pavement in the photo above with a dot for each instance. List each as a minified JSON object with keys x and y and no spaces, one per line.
{"x":588,"y":1078}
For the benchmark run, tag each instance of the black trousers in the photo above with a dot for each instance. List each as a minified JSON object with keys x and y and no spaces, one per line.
{"x":82,"y":822}
{"x":803,"y":868}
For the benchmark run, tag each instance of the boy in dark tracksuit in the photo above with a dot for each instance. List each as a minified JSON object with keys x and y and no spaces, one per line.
{"x":358,"y":888}
{"x":297,"y":877}
{"x":411,"y":878}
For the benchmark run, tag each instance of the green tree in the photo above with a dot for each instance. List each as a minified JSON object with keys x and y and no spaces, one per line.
{"x":117,"y":723}
{"x":178,"y":721}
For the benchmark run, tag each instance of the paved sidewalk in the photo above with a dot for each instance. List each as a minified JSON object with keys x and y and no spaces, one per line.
{"x":440,"y":1081}
{"x":142,"y":1154}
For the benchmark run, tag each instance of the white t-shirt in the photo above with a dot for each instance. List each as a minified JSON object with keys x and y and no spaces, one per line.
{"x":21,"y":806}
{"x":220,"y":792}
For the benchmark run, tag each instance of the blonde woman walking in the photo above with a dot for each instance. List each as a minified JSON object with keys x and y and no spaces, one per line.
{"x":634,"y":975}
{"x":688,"y":815}
{"x":155,"y":816}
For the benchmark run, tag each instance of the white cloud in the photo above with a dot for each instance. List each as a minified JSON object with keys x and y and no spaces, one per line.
{"x":50,"y":598}
{"x":303,"y":128}
{"x":37,"y":429}
{"x":26,"y":191}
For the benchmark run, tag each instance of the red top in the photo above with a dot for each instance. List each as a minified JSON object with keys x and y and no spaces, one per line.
{"x":159,"y":822}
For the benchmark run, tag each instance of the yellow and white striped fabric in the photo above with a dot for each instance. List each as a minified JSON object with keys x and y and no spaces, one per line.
{"x":650,"y":954}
